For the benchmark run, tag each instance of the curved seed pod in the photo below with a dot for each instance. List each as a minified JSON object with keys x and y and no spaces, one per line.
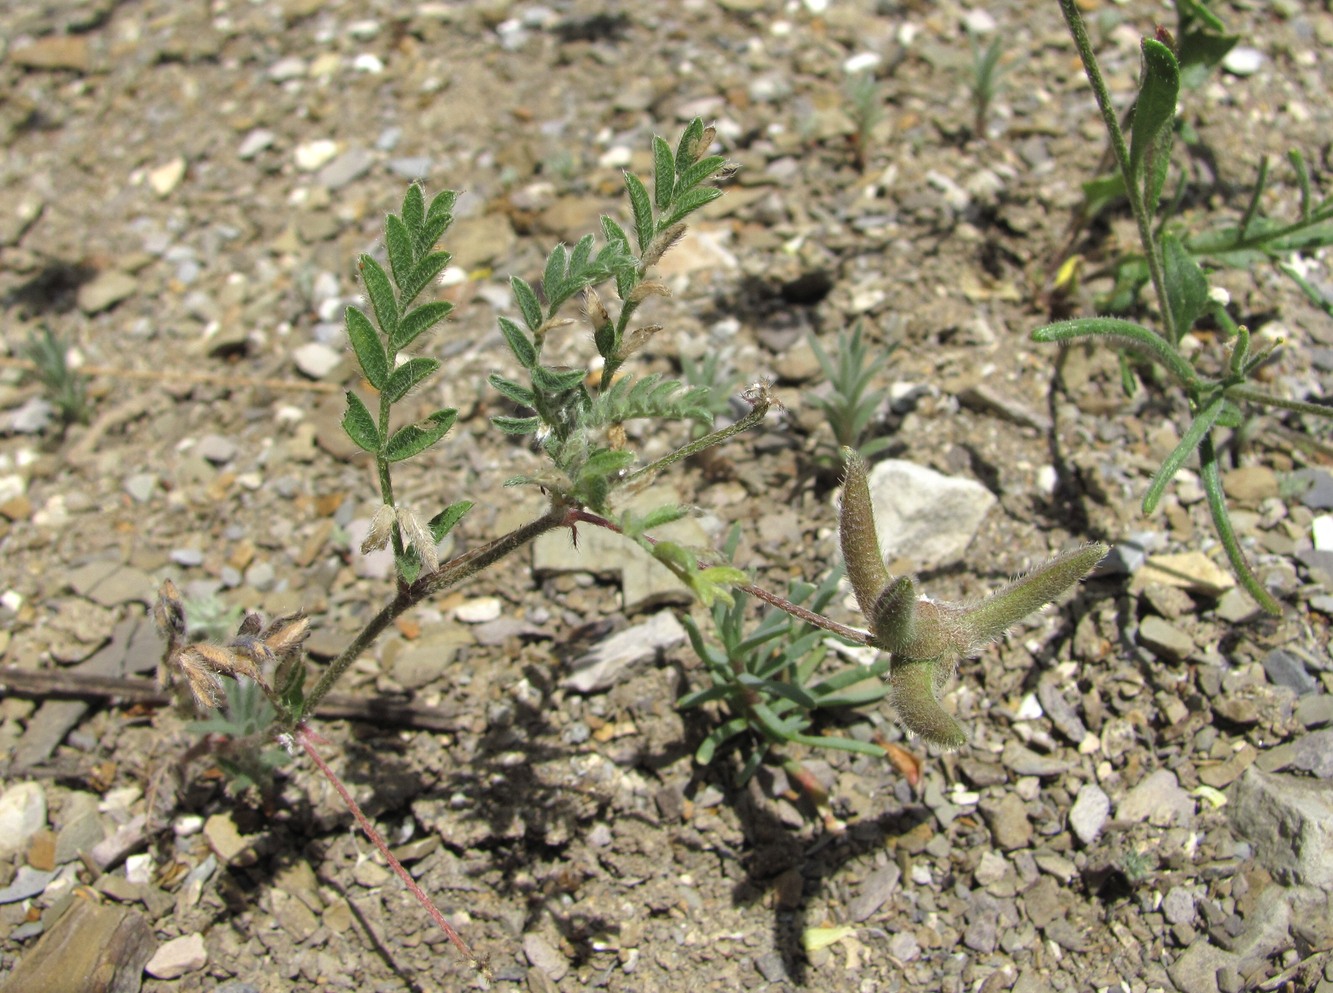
{"x":989,"y":619}
{"x":860,"y":542}
{"x":912,"y":689}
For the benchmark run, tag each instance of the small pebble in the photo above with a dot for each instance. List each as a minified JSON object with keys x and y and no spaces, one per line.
{"x":1243,"y":61}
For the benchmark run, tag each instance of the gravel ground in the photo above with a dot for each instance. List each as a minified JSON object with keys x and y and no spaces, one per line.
{"x":1146,"y":799}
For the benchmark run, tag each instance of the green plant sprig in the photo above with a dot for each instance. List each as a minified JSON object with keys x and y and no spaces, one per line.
{"x":65,"y":388}
{"x":851,"y":404}
{"x":410,"y":238}
{"x":1180,"y":284}
{"x":577,"y":418}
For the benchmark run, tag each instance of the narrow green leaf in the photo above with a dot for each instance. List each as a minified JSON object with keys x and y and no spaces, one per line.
{"x":514,"y":391}
{"x":720,"y":736}
{"x":419,"y":320}
{"x":381,"y":295}
{"x":528,"y":304}
{"x":1211,"y":477}
{"x":642,"y":209}
{"x":523,"y":348}
{"x":687,"y":149}
{"x":366,"y":344}
{"x":1186,"y":285}
{"x":427,"y":268}
{"x":699,"y":697}
{"x":697,"y":173}
{"x":1154,"y":117}
{"x":408,"y":375}
{"x":398,"y":242}
{"x":778,"y":688}
{"x":416,"y":438}
{"x":840,"y":743}
{"x":546,"y":380}
{"x":689,"y":202}
{"x":516,"y":425}
{"x":614,"y":233}
{"x":443,"y":522}
{"x":360,"y":425}
{"x":1191,"y":440}
{"x":578,"y":257}
{"x":664,"y":173}
{"x":1121,"y":333}
{"x":553,"y":277}
{"x":414,"y":207}
{"x":409,"y":565}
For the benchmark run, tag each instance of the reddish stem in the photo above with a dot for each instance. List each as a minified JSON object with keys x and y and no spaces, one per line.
{"x":307,"y":738}
{"x":853,"y":635}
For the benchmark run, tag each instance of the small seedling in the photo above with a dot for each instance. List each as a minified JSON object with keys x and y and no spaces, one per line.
{"x":64,"y":386}
{"x":865,"y":106}
{"x":851,"y":404}
{"x":985,"y":81}
{"x":767,"y":678}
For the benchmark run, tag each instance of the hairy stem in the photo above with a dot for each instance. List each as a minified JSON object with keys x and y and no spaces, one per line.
{"x":1079,"y":30}
{"x":450,"y":574}
{"x":754,"y":417}
{"x":307,"y":740}
{"x":758,"y":592}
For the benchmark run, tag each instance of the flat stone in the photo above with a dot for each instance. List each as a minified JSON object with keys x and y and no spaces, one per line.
{"x":924,"y":515}
{"x":425,"y":661}
{"x":1158,"y":799}
{"x":178,"y":957}
{"x":105,"y":290}
{"x":1313,"y":753}
{"x":91,"y":946}
{"x":54,"y":52}
{"x":1192,"y":571}
{"x":1164,"y":639}
{"x":1285,"y":668}
{"x":1026,"y":762}
{"x":541,"y":954}
{"x":624,"y":653}
{"x":311,"y":156}
{"x":1250,"y":485}
{"x":351,"y":165}
{"x":875,"y":891}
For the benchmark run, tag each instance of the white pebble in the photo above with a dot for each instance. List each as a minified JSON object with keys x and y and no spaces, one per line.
{"x":860,"y":62}
{"x":1243,"y":61}
{"x":312,"y":155}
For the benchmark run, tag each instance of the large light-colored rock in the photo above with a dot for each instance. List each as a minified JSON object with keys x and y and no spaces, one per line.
{"x":924,"y":516}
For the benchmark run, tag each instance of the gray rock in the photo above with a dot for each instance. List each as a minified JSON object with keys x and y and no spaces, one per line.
{"x":348,"y":167}
{"x":1195,"y":971}
{"x":33,"y":416}
{"x":255,"y":142}
{"x":217,"y":449}
{"x":141,"y":486}
{"x":1008,"y":821}
{"x":1285,"y":668}
{"x":925,"y":515}
{"x":624,"y":653}
{"x":1315,"y":711}
{"x":1178,"y":905}
{"x":1289,"y":821}
{"x":1059,"y":710}
{"x":545,"y":956}
{"x":1314,"y":754}
{"x":1026,"y":762}
{"x":1164,"y":639}
{"x":875,"y":892}
{"x":27,"y":882}
{"x":1088,"y":815}
{"x":427,"y":660}
{"x":1157,"y":799}
{"x":1319,"y":494}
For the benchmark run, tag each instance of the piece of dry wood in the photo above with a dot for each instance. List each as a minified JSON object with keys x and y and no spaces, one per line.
{"x":68,"y":684}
